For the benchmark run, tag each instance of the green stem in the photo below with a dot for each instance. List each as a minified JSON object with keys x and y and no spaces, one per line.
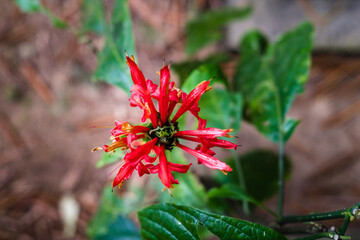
{"x":322,"y":235}
{"x":345,"y":224}
{"x":241,"y":178}
{"x":320,"y":216}
{"x":281,"y":177}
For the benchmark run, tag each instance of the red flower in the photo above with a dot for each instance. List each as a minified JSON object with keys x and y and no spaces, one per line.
{"x":149,"y":142}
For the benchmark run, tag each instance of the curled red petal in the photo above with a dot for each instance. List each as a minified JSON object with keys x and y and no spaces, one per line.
{"x":192,"y":99}
{"x":207,"y":160}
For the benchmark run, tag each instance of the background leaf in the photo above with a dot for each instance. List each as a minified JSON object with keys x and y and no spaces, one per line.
{"x":206,"y":28}
{"x":170,"y":221}
{"x":184,"y":69}
{"x":221,"y":108}
{"x":112,"y":66}
{"x":93,"y":16}
{"x":261,"y":173}
{"x":270,"y":78}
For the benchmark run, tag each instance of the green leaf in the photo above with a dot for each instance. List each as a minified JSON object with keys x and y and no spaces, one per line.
{"x":203,"y":73}
{"x":261,"y":173}
{"x":93,"y":16}
{"x":271,"y":77}
{"x":110,"y":158}
{"x":221,"y":108}
{"x":234,"y":191}
{"x":112,"y":66}
{"x":121,"y":228}
{"x":206,"y":28}
{"x":111,"y":207}
{"x":184,"y":69}
{"x":170,"y":221}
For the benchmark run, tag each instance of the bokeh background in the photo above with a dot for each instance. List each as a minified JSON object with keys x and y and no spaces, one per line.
{"x":49,"y":101}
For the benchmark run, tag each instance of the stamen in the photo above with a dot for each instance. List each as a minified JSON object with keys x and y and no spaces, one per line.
{"x":158,"y":73}
{"x":224,"y":172}
{"x":97,"y":149}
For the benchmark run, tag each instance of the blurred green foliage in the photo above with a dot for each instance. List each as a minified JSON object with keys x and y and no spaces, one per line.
{"x":207,"y":27}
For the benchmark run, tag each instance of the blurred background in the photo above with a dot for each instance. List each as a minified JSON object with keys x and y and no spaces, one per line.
{"x":50,"y":99}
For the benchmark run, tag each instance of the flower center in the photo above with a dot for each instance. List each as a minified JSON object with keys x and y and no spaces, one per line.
{"x":165,"y":134}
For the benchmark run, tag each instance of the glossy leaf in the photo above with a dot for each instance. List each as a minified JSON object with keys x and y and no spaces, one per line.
{"x":110,"y":158}
{"x":170,"y":221}
{"x":206,"y":28}
{"x":112,"y":66}
{"x":261,"y":173}
{"x":270,"y":77}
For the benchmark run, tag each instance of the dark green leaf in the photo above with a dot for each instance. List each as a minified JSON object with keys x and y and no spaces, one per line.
{"x":112,"y":66}
{"x":206,"y":29}
{"x":93,"y":16}
{"x":260,"y":169}
{"x":169,"y":221}
{"x":221,"y":108}
{"x":270,"y":78}
{"x":184,"y":69}
{"x":121,"y":228}
{"x":110,"y":158}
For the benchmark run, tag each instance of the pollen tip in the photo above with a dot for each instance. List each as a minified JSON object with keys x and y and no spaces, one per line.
{"x":224,"y":172}
{"x":208,"y":88}
{"x":132,"y":57}
{"x":121,"y":184}
{"x":158,"y":73}
{"x":96,"y":149}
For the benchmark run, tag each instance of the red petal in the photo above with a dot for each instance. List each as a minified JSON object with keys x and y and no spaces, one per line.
{"x":124,"y":173}
{"x":164,"y":93}
{"x":136,"y":75}
{"x":192,"y":99}
{"x":164,"y":171}
{"x":140,"y":151}
{"x":207,"y":160}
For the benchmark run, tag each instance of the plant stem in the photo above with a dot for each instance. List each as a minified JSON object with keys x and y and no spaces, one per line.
{"x":320,"y":216}
{"x":241,"y":178}
{"x":322,"y":235}
{"x":345,"y":224}
{"x":281,"y":177}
